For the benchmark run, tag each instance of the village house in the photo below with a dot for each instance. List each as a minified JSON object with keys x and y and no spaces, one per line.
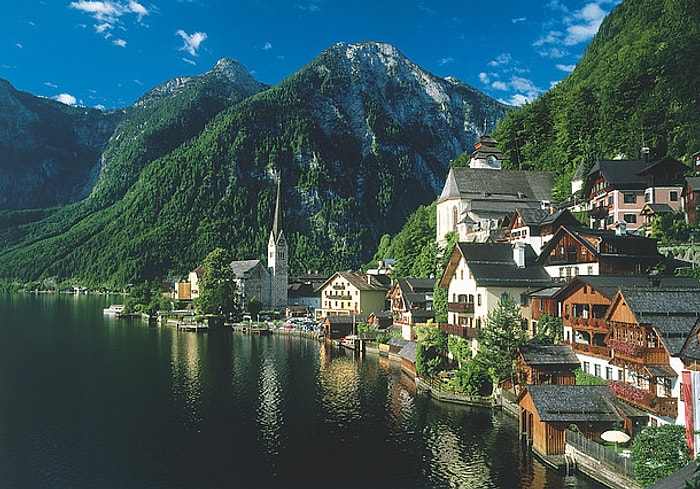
{"x":411,"y":301}
{"x":690,"y":197}
{"x":479,"y":274}
{"x":536,"y":226}
{"x":579,"y":251}
{"x":583,"y":303}
{"x":475,"y":199}
{"x":649,"y":328}
{"x":618,"y":189}
{"x":546,"y":364}
{"x":349,"y":293}
{"x":303,"y":296}
{"x":547,"y":411}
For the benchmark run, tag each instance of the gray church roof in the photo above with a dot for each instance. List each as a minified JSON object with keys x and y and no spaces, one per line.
{"x":242,"y":267}
{"x":517,"y":185}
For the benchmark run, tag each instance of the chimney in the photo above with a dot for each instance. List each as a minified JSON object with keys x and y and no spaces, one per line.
{"x":645,"y":153}
{"x":620,"y":228}
{"x":519,"y":255}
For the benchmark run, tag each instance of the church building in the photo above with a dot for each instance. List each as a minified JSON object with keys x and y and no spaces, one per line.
{"x":475,"y":199}
{"x":253,"y":279}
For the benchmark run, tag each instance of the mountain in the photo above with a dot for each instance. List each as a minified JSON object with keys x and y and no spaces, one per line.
{"x":637,"y":85}
{"x":360,"y":137}
{"x":50,"y":151}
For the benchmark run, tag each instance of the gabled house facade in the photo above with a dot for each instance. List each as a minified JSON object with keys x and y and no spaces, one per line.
{"x":348,"y":293}
{"x":618,"y":189}
{"x":411,"y":301}
{"x":478,"y":274}
{"x":536,"y":226}
{"x":584,"y":302}
{"x":546,"y":364}
{"x":649,"y":328}
{"x":691,"y":199}
{"x":579,"y":251}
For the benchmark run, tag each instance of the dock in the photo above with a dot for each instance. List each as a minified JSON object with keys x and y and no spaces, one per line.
{"x":196,"y":327}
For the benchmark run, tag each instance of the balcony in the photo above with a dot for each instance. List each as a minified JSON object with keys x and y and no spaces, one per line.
{"x":598,"y":212}
{"x":645,"y":400}
{"x":459,"y":330}
{"x":594,"y":350}
{"x":592,"y":325}
{"x":563,"y":258}
{"x":627,"y":352}
{"x":461,"y":307}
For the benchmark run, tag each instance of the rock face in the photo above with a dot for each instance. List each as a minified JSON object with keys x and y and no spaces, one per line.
{"x":48,"y":151}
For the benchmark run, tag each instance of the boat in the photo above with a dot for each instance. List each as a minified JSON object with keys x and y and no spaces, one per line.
{"x":114,"y":309}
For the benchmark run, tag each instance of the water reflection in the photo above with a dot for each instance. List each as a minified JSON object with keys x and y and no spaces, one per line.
{"x":270,"y":416}
{"x":186,"y":356}
{"x":339,"y":379}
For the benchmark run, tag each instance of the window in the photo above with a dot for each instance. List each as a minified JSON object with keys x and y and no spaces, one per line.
{"x":454,"y":218}
{"x":610,"y":200}
{"x":523,"y":299}
{"x":647,"y":197}
{"x":587,"y":367}
{"x":590,"y":270}
{"x":608,"y":373}
{"x":478,"y":299}
{"x":597,"y":370}
{"x":608,"y":220}
{"x":673,"y":196}
{"x":629,"y":198}
{"x":631,"y":218}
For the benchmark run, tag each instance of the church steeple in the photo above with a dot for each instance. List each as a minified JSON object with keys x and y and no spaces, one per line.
{"x":277,"y":256}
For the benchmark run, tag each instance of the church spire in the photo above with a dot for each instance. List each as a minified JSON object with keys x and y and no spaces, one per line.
{"x":277,"y":222}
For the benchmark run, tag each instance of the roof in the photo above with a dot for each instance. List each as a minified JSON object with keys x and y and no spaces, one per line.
{"x":493,"y":264}
{"x":678,"y":478}
{"x":560,"y":355}
{"x":469,"y":183}
{"x":650,"y":209}
{"x":360,"y":280}
{"x":671,"y":311}
{"x":408,"y":351}
{"x":397,"y":342}
{"x":574,"y":403}
{"x":346,"y":319}
{"x":240,"y":268}
{"x":602,"y":242}
{"x":608,"y":285}
{"x":693,"y":183}
{"x":629,"y":174}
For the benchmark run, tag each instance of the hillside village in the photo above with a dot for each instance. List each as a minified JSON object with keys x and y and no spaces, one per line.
{"x":628,"y":318}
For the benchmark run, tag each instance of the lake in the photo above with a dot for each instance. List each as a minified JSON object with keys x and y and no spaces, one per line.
{"x":89,"y":401}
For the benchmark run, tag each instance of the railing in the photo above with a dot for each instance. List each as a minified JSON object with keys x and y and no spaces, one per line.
{"x":563,"y":258}
{"x":459,"y":330}
{"x":598,"y":211}
{"x":598,"y":452}
{"x":645,"y":400}
{"x":463,"y":307}
{"x":601,"y":351}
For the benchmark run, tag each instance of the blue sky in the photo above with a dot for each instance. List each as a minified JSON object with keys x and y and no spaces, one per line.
{"x":108,"y":53}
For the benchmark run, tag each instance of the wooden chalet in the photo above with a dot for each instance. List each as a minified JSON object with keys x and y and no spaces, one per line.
{"x":411,"y":302}
{"x":649,"y":328}
{"x":547,"y":411}
{"x":690,"y":197}
{"x":578,"y":251}
{"x":536,"y":226}
{"x":547,"y":364}
{"x":336,"y":327}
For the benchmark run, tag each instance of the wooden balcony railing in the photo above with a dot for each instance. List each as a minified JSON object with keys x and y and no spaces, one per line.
{"x":461,"y":307}
{"x":459,"y":330}
{"x":645,"y":400}
{"x":595,"y":350}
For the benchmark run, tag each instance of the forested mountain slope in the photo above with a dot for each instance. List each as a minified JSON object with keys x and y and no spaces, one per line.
{"x":360,"y":137}
{"x":637,"y":85}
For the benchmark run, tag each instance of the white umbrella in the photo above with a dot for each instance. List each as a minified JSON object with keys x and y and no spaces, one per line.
{"x":615,"y":436}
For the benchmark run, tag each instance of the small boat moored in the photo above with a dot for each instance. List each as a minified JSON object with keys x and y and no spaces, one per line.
{"x":114,"y":309}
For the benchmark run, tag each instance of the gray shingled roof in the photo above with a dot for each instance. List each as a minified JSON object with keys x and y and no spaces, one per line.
{"x":526,"y":185}
{"x":408,"y":351}
{"x":574,"y":403}
{"x":493,"y":264}
{"x":608,"y":285}
{"x":672,"y":312}
{"x":561,"y":355}
{"x":241,"y":267}
{"x":693,"y":182}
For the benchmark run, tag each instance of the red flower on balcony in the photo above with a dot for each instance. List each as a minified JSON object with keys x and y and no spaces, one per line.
{"x":632,"y":393}
{"x":624,"y":347}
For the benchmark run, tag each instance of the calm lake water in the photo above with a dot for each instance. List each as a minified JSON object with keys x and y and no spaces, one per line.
{"x":88,"y":401}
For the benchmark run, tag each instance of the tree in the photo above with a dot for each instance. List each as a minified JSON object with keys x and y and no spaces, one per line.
{"x":432,"y":343}
{"x":500,"y":338}
{"x":217,"y":287}
{"x":254,"y":307}
{"x":658,"y":452}
{"x":550,"y":329}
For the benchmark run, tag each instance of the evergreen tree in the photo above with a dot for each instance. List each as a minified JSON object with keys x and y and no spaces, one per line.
{"x":217,"y":287}
{"x":500,"y":339}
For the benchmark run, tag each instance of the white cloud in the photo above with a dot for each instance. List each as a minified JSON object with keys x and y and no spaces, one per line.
{"x":66,"y":98}
{"x":119,"y":42}
{"x":19,"y":45}
{"x":518,"y":20}
{"x":192,"y":42}
{"x":267,"y":46}
{"x":588,"y":20}
{"x":517,"y":100}
{"x":523,"y":90}
{"x":502,"y":59}
{"x":484,"y":78}
{"x":445,"y":61}
{"x":566,"y":68}
{"x":50,"y":85}
{"x":108,"y":14}
{"x":189,"y":61}
{"x":312,"y":7}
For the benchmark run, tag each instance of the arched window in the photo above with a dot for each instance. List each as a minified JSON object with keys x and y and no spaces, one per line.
{"x":454,"y":218}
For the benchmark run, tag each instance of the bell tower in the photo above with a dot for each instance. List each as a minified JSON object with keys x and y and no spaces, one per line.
{"x":277,"y":257}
